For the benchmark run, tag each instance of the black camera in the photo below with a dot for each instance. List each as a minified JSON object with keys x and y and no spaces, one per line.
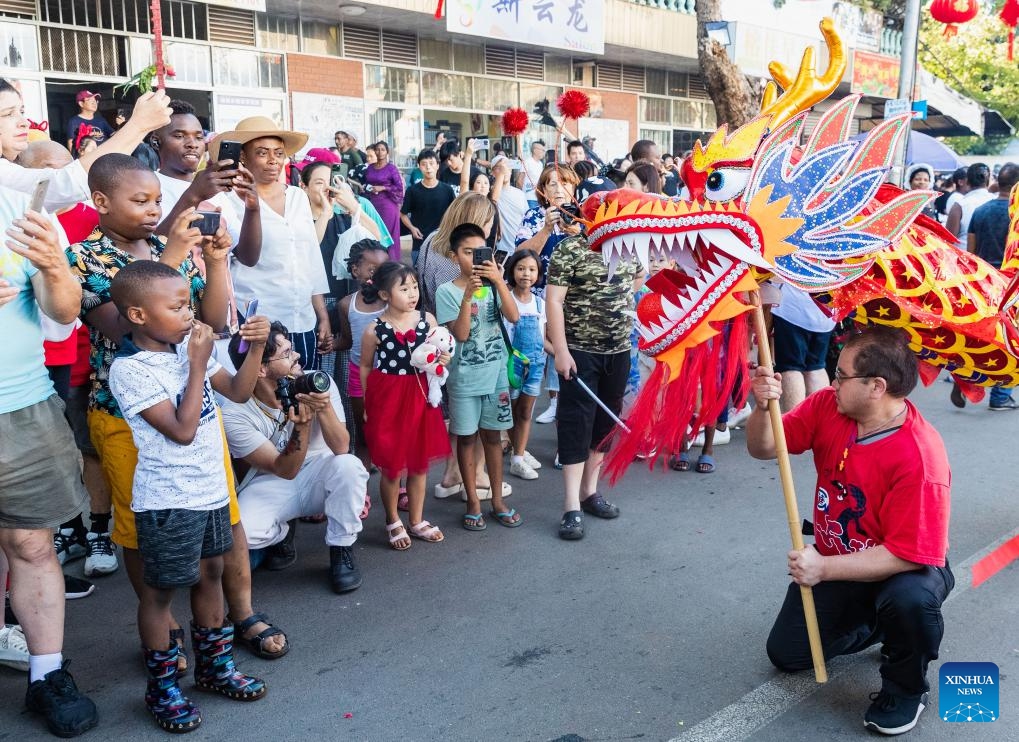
{"x":289,"y":387}
{"x":568,"y":213}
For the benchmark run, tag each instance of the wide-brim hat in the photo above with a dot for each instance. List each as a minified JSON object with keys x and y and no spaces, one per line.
{"x":257,"y":127}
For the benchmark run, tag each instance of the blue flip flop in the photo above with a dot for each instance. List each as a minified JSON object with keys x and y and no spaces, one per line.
{"x":705,"y":464}
{"x":474,"y":522}
{"x":505,"y":519}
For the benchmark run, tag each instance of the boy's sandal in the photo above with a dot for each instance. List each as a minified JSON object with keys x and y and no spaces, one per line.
{"x":426,"y":532}
{"x":680,"y":462}
{"x":705,"y":464}
{"x":474,"y":522}
{"x":506,"y":518}
{"x":256,"y":643}
{"x":395,"y":538}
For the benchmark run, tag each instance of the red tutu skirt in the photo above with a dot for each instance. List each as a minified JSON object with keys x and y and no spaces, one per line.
{"x":403,"y":431}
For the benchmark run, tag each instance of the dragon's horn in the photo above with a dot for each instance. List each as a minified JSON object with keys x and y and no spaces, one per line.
{"x":808,"y":87}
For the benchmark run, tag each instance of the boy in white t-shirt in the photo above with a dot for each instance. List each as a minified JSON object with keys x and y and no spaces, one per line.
{"x":163,"y":378}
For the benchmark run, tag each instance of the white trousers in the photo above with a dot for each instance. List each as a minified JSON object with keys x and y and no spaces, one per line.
{"x":327,"y":483}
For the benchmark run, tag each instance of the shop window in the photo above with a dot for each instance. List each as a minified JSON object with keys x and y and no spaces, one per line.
{"x":18,"y":48}
{"x":443,"y":89}
{"x":558,"y":69}
{"x":656,"y":81}
{"x":468,"y":58}
{"x":180,"y":19}
{"x":655,"y":110}
{"x":678,"y":84}
{"x":391,"y":84}
{"x":494,"y":95}
{"x":434,"y":53}
{"x":400,"y":129}
{"x":277,"y":33}
{"x":710,"y":116}
{"x":661,"y":137}
{"x":531,"y":94}
{"x":687,"y":114}
{"x":83,"y":52}
{"x":240,"y":68}
{"x":320,"y":38}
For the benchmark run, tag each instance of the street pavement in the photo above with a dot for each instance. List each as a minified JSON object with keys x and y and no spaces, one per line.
{"x":652,"y":627}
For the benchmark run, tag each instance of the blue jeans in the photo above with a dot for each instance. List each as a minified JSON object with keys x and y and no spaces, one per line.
{"x":527,"y":338}
{"x":1000,"y":395}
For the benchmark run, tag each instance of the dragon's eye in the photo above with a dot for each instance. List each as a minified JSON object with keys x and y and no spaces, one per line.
{"x":726,"y":183}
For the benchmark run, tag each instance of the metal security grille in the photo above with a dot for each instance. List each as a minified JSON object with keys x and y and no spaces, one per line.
{"x":18,"y":8}
{"x":84,"y":52}
{"x":230,"y":26}
{"x":609,"y":76}
{"x":499,"y":61}
{"x":633,"y":79}
{"x":531,"y":65}
{"x":182,"y":20}
{"x":399,"y":48}
{"x":362,"y":43}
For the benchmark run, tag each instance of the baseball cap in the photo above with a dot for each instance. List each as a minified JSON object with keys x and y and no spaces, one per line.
{"x":319,"y":154}
{"x":85,"y":94}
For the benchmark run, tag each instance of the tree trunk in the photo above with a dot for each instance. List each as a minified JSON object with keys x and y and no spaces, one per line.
{"x":730,"y":90}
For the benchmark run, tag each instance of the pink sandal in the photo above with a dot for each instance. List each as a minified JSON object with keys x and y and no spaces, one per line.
{"x":426,"y":532}
{"x":394,"y":538}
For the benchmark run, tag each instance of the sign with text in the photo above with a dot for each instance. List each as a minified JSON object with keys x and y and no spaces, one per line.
{"x":875,"y":74}
{"x":577,"y":25}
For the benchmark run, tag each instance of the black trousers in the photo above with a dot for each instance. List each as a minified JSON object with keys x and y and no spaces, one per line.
{"x":903,"y":612}
{"x":581,"y":424}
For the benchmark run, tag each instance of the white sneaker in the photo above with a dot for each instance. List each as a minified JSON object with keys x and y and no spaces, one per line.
{"x":101,"y":555}
{"x":522,"y":470}
{"x":13,"y":648}
{"x":485,"y":493}
{"x":531,"y":461}
{"x":68,"y":548}
{"x":738,"y":417}
{"x":548,"y":416}
{"x":722,"y":437}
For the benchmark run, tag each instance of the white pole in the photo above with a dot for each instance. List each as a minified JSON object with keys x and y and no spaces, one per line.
{"x":907,"y":77}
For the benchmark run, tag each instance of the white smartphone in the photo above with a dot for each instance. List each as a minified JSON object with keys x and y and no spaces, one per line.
{"x":39,"y":195}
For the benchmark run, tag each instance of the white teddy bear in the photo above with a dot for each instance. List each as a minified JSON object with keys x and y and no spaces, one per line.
{"x":426,"y":358}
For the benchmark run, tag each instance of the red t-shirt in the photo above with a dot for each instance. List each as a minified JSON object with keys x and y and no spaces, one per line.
{"x":77,"y":223}
{"x":893,"y":491}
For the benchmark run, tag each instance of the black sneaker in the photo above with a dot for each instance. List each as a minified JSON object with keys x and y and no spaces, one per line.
{"x":343,"y":570}
{"x":283,"y":554}
{"x":891,"y":714}
{"x":67,"y":712}
{"x":75,"y":587}
{"x":597,"y":505}
{"x":571,"y":527}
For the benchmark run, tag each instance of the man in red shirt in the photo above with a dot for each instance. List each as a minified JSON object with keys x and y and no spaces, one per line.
{"x":879,"y":567}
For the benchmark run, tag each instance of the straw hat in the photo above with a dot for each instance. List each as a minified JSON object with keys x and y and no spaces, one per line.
{"x":256,"y":127}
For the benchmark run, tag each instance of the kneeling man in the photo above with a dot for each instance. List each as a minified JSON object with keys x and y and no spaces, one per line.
{"x":295,"y":462}
{"x":879,"y":566}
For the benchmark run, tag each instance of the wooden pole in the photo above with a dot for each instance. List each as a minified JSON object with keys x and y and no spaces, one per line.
{"x":785,"y":471}
{"x":156,"y":12}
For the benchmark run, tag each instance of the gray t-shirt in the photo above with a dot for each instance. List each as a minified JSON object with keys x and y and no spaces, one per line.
{"x":478,"y":366}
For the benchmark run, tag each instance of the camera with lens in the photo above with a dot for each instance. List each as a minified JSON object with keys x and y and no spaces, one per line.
{"x":289,"y":387}
{"x":569,"y":213}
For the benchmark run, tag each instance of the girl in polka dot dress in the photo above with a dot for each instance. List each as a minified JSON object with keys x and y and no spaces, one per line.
{"x":405,"y":434}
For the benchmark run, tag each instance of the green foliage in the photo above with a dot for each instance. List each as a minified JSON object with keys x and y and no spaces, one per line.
{"x":978,"y":145}
{"x":974,"y":62}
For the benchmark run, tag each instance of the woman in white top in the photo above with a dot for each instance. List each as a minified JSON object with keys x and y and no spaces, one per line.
{"x":289,"y":279}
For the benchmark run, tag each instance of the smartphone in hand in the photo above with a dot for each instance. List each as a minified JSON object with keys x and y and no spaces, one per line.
{"x":242,"y":347}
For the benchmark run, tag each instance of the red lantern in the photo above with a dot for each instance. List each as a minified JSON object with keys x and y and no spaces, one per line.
{"x":1010,"y":17}
{"x":952,"y":12}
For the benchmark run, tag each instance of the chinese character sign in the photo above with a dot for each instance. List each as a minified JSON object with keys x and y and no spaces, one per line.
{"x":577,"y":25}
{"x":875,"y":74}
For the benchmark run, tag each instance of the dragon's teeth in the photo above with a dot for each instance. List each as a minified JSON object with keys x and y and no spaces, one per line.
{"x":646,"y":333}
{"x":642,"y":246}
{"x":728,"y":242}
{"x":673,"y":312}
{"x":613,"y":263}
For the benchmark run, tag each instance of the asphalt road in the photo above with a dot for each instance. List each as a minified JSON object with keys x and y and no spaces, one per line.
{"x":652,"y":627}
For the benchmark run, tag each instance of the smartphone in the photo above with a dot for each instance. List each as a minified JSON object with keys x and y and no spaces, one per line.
{"x":480,"y":144}
{"x":242,"y":346}
{"x":229,"y":150}
{"x":340,"y":171}
{"x":209,"y":223}
{"x":39,"y":195}
{"x":482,"y":255}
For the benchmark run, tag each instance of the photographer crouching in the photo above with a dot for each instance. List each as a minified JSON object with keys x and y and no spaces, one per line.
{"x":291,"y":450}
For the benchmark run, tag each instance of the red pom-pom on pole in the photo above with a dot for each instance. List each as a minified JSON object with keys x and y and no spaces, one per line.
{"x":515,"y":121}
{"x":574,"y":104}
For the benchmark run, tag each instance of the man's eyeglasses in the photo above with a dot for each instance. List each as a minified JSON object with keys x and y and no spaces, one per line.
{"x":286,"y":356}
{"x":840,"y":377}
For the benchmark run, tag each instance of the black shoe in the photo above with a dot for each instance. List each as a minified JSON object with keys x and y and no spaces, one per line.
{"x":571,"y":527}
{"x":283,"y":554}
{"x":596,"y":505}
{"x":343,"y":570}
{"x":67,"y":712}
{"x":75,"y":587}
{"x":956,"y":396}
{"x":891,"y":714}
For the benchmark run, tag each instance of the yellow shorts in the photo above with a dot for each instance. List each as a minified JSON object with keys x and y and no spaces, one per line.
{"x":119,"y":457}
